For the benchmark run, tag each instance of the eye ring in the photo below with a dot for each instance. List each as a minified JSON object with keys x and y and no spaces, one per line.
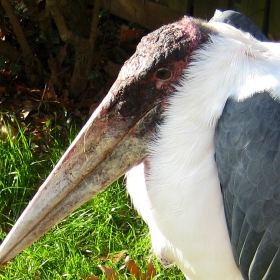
{"x":163,"y":74}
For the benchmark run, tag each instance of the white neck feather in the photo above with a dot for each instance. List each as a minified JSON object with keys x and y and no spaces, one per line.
{"x":183,"y":190}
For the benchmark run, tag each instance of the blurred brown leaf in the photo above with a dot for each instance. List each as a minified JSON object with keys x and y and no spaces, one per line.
{"x":28,"y":107}
{"x":112,"y":68}
{"x":131,"y":266}
{"x":92,"y":277}
{"x":130,"y":35}
{"x":111,"y":273}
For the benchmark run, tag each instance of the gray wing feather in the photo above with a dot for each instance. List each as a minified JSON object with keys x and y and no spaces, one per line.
{"x":241,"y":22}
{"x":247,"y":143}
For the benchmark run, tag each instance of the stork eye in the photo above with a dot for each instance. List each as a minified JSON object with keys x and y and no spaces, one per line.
{"x":163,"y":74}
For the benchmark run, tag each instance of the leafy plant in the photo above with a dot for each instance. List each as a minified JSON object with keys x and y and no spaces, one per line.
{"x":98,"y":233}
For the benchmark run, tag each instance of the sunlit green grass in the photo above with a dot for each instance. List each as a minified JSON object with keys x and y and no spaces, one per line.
{"x":94,"y":234}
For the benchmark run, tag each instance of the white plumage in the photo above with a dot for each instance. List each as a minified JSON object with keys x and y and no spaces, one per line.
{"x":178,"y":193}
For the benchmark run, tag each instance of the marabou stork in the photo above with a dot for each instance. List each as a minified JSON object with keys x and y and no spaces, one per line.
{"x":194,"y":115}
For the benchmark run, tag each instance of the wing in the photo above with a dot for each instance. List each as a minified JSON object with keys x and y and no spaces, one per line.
{"x":247,"y":143}
{"x":241,"y":22}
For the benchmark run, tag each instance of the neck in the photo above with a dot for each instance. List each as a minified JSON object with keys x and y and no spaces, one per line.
{"x":182,"y":180}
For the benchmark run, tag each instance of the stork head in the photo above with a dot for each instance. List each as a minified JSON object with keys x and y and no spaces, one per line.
{"x":116,"y":136}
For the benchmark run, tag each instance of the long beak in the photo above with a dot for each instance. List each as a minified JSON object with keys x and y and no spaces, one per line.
{"x":107,"y":147}
{"x":116,"y":136}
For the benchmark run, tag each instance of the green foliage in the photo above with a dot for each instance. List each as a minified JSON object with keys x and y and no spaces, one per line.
{"x":92,"y":235}
{"x":2,"y":63}
{"x":93,"y":74}
{"x":17,"y":175}
{"x":15,"y":69}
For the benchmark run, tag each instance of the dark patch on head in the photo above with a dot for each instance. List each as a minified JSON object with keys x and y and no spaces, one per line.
{"x":138,"y":88}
